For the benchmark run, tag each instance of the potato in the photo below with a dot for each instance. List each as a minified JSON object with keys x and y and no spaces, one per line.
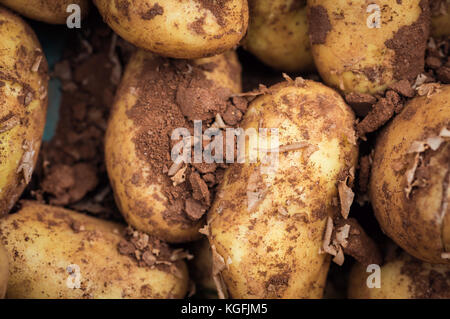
{"x":147,"y":109}
{"x":409,"y":184}
{"x":4,"y":273}
{"x":53,"y":251}
{"x":49,"y":11}
{"x":23,"y":105}
{"x":267,"y":223}
{"x":401,"y":278}
{"x":354,"y":57}
{"x":278,"y":34}
{"x":440,"y":18}
{"x":179,"y":29}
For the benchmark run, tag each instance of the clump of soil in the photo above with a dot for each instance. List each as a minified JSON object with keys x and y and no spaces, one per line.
{"x":71,"y":170}
{"x":173,"y":94}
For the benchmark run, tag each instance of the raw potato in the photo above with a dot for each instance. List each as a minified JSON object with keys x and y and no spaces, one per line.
{"x":278,"y":34}
{"x":4,"y":272}
{"x":440,"y":19}
{"x":187,"y":29}
{"x":49,"y":11}
{"x":43,"y":245}
{"x":141,"y":194}
{"x":401,"y":278}
{"x":23,"y":105}
{"x":355,"y":58}
{"x":409,"y":186}
{"x":267,"y":223}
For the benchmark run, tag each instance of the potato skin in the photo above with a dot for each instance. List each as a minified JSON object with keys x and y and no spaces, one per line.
{"x":41,"y":244}
{"x":23,"y":105}
{"x":420,"y":223}
{"x":402,"y":278}
{"x":179,"y":29}
{"x":272,"y":249}
{"x":49,"y":11}
{"x":278,"y":34}
{"x":355,"y":58}
{"x":144,"y":204}
{"x":4,"y":271}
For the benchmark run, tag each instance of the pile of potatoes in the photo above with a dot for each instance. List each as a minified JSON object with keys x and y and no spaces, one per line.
{"x":274,"y":226}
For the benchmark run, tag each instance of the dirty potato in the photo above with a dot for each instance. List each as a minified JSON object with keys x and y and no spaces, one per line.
{"x":57,"y":253}
{"x":23,"y":105}
{"x":409,"y":185}
{"x":4,"y":272}
{"x":403,"y":277}
{"x":278,"y":34}
{"x":156,"y":97}
{"x":49,"y":11}
{"x":179,"y":29}
{"x":268,"y":220}
{"x":363,"y":47}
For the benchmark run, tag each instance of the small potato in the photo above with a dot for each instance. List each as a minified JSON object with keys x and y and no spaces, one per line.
{"x":267,"y":224}
{"x":401,"y":278}
{"x":187,"y":29}
{"x":360,"y":46}
{"x":278,"y":34}
{"x":57,"y":253}
{"x":156,"y":97}
{"x":4,"y":272}
{"x":440,"y":18}
{"x":409,"y":185}
{"x":49,"y":11}
{"x":23,"y":105}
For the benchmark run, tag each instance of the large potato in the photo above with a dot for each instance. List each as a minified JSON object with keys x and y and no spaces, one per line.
{"x":401,"y":278}
{"x":23,"y":105}
{"x":53,"y":251}
{"x":147,"y":109}
{"x":267,"y":223}
{"x":49,"y":11}
{"x":179,"y":29}
{"x":409,"y":185}
{"x":278,"y":34}
{"x":354,"y":57}
{"x":4,"y":271}
{"x":440,"y":18}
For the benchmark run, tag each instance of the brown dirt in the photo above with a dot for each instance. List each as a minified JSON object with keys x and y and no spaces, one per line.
{"x":319,"y":24}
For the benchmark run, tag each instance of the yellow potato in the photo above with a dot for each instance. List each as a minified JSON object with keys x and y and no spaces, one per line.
{"x":440,"y":18}
{"x":23,"y":105}
{"x":278,"y":34}
{"x":51,"y":258}
{"x":351,"y":53}
{"x":267,"y":223}
{"x":187,"y":29}
{"x":146,"y":111}
{"x":49,"y":11}
{"x":4,"y":273}
{"x":409,"y":185}
{"x":401,"y":278}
